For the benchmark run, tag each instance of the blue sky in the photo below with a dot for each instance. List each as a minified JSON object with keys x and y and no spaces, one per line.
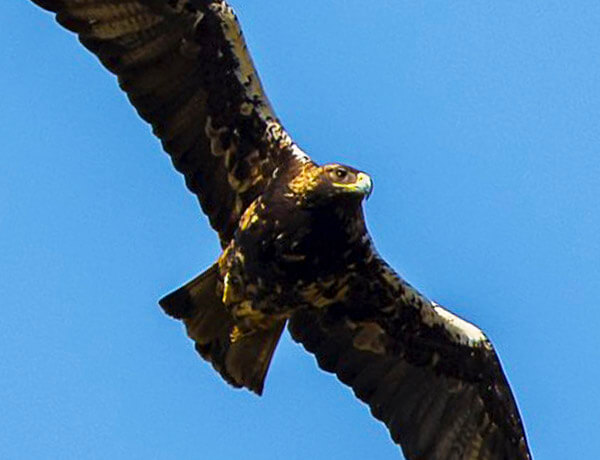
{"x":479,"y":123}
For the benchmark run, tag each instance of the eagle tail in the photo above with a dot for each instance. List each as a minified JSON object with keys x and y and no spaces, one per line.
{"x":242,"y":362}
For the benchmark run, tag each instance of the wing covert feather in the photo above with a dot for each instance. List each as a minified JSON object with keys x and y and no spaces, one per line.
{"x":185,"y":67}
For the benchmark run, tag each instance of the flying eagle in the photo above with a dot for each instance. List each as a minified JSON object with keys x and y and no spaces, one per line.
{"x":295,"y":246}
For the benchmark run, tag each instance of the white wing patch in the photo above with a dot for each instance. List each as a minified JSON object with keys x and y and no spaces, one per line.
{"x":300,"y":154}
{"x":432,"y":314}
{"x":463,"y":331}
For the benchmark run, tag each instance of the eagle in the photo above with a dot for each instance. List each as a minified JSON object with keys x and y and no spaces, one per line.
{"x":295,"y":246}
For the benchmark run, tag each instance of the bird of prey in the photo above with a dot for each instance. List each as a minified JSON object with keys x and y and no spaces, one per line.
{"x":295,"y":246}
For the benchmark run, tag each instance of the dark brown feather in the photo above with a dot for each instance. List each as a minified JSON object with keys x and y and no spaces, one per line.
{"x":185,"y":68}
{"x":439,"y":398}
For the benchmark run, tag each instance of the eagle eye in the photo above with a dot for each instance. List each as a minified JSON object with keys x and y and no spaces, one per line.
{"x":341,"y":173}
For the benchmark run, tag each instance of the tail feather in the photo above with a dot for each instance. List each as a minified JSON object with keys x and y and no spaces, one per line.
{"x":243,"y":362}
{"x":248,"y":358}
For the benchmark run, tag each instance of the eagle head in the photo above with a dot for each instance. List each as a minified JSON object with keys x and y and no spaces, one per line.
{"x":331,"y":183}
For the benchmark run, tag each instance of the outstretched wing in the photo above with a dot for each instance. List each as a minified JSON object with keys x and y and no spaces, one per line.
{"x":431,"y":377}
{"x":185,"y":67}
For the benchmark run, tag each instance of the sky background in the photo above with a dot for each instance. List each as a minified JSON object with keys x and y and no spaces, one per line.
{"x":480,"y":125}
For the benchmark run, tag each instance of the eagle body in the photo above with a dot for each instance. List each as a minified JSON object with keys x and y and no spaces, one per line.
{"x":296,"y":250}
{"x":294,"y":245}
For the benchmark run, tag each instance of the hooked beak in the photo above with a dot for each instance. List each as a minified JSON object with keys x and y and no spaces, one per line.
{"x":364,"y":184}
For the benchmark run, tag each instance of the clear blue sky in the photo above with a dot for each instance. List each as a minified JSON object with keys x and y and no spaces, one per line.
{"x":480,"y":124}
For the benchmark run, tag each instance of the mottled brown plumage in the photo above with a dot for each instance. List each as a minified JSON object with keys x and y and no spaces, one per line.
{"x":295,"y":246}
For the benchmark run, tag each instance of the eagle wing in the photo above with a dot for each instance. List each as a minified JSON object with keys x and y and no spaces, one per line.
{"x":431,"y":377}
{"x":185,"y":67}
